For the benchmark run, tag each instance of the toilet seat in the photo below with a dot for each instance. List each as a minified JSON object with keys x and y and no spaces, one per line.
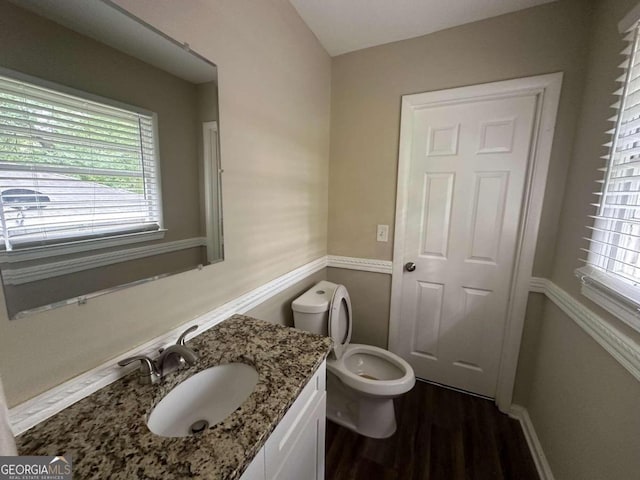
{"x":381,"y":361}
{"x":340,"y":324}
{"x":365,"y":368}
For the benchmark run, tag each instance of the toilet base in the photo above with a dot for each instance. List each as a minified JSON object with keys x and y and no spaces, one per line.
{"x":369,"y":416}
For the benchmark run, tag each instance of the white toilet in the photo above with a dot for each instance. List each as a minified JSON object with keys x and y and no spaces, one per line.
{"x":362,"y":380}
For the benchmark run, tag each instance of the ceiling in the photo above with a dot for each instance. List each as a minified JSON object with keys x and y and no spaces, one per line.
{"x":346,"y":25}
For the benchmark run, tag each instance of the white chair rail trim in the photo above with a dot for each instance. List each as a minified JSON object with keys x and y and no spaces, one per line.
{"x":363,"y":264}
{"x":621,"y":347}
{"x":28,"y":414}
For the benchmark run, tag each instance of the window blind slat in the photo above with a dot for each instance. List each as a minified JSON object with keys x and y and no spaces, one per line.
{"x":74,"y":205}
{"x":79,"y":188}
{"x":109,"y":162}
{"x":78,"y":224}
{"x":9,"y":146}
{"x":619,"y":180}
{"x":630,"y":221}
{"x":630,"y":113}
{"x":77,"y":140}
{"x":616,"y":193}
{"x":16,"y":110}
{"x":56,"y":237}
{"x":87,"y":128}
{"x":89,"y":171}
{"x":601,"y":230}
{"x":609,"y":259}
{"x":124,"y":124}
{"x":615,"y":245}
{"x":39,"y":131}
{"x":625,"y":165}
{"x":35,"y":95}
{"x":617,"y":206}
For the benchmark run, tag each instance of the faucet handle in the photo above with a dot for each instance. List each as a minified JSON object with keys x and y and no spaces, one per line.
{"x":148,"y":370}
{"x":183,"y":335}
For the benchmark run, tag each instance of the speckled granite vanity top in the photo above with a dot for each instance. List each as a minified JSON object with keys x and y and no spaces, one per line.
{"x":107,"y":435}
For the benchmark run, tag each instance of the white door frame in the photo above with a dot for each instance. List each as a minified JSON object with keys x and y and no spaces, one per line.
{"x":547,"y":89}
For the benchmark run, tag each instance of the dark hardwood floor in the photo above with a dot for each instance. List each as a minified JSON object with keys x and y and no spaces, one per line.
{"x":442,"y":435}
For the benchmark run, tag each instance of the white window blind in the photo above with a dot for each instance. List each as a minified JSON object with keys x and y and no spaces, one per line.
{"x":611,"y":276}
{"x":72,"y":168}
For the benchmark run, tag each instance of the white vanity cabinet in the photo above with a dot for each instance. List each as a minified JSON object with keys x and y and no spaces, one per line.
{"x":295,"y":449}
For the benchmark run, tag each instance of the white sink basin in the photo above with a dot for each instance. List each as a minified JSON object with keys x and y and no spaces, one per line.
{"x":206,"y":398}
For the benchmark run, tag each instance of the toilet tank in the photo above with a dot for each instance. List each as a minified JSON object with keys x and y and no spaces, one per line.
{"x":311,"y":309}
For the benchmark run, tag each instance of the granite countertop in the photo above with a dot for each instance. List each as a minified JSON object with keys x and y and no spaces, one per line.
{"x":107,"y":436}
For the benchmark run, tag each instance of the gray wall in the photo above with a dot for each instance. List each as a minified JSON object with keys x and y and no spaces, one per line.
{"x":365,"y":111}
{"x":278,"y":308}
{"x":529,"y":348}
{"x":369,"y":293}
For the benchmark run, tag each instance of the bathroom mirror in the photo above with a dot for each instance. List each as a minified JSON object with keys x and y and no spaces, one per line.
{"x":109,"y":153}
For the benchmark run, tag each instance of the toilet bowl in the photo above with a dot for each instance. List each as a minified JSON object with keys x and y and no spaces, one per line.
{"x":362,"y":380}
{"x":373,"y":371}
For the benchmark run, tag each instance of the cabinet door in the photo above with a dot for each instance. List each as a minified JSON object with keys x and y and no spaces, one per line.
{"x":255,"y":470}
{"x":305,"y":461}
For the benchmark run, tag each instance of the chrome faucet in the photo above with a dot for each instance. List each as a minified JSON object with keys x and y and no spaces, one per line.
{"x":148,"y":372}
{"x":182,"y":338}
{"x":175,"y":357}
{"x":172,"y":358}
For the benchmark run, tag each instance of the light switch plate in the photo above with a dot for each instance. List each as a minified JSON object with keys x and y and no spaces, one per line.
{"x":382,"y":234}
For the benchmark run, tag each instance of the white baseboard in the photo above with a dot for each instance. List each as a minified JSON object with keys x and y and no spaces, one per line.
{"x":539,"y":458}
{"x":35,"y":410}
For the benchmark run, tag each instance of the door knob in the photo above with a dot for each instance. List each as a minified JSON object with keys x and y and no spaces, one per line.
{"x":409,"y":266}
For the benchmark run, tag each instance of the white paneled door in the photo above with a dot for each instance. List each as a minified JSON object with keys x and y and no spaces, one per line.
{"x":464,"y":201}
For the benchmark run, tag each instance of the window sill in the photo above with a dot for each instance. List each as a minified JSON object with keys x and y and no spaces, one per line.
{"x":617,"y":297}
{"x":20,"y":275}
{"x":35,"y":253}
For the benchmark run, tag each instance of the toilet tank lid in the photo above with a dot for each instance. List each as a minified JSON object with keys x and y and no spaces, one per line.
{"x":316,"y":299}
